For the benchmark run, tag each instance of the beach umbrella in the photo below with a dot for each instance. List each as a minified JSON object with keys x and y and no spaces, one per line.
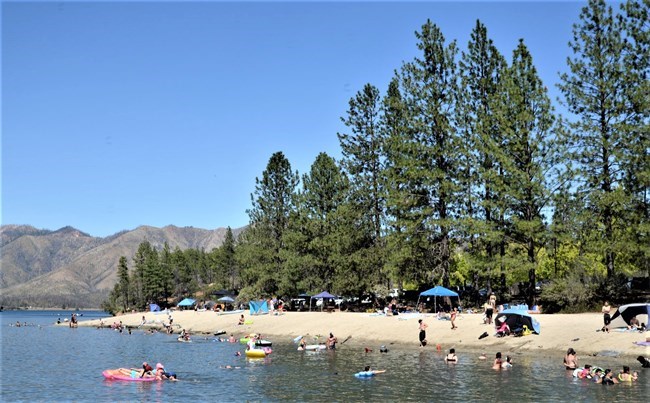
{"x":226,"y":299}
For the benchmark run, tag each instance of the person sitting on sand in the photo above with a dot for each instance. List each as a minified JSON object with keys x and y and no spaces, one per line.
{"x":634,"y":324}
{"x":503,"y":329}
{"x":451,"y":357}
{"x":497,"y":361}
{"x":374,"y":371}
{"x":241,"y":320}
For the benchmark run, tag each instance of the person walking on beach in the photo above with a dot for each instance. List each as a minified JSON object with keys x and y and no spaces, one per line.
{"x":606,"y":317}
{"x":423,"y":333}
{"x":454,"y":313}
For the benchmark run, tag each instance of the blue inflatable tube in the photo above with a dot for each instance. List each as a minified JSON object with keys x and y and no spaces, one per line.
{"x":364,"y":374}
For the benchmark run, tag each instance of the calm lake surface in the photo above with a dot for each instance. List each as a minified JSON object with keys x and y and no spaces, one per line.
{"x":43,"y":362}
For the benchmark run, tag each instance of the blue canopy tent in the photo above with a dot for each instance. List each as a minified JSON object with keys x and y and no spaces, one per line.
{"x":322,"y":295}
{"x":187,"y":302}
{"x":435,"y":292}
{"x":517,"y":318}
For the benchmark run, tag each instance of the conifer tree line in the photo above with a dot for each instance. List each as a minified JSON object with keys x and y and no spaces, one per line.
{"x":459,"y":173}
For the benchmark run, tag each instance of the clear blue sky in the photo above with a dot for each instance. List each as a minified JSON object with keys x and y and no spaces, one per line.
{"x":121,"y":114}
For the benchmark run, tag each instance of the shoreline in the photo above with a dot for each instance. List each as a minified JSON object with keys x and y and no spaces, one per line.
{"x":558,"y":331}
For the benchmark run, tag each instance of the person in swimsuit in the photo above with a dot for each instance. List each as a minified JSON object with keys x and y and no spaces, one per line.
{"x":374,"y":371}
{"x":606,"y":317}
{"x":423,"y":333}
{"x":497,"y":361}
{"x":454,"y":313}
{"x":451,"y":357}
{"x":488,"y":313}
{"x":507,"y":363}
{"x":571,"y":359}
{"x":331,"y":342}
{"x":608,"y":379}
{"x":146,"y":369}
{"x":625,"y":376}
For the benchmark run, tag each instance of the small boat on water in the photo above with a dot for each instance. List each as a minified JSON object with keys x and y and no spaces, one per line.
{"x":127,"y":374}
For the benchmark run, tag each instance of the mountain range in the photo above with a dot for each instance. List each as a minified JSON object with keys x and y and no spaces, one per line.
{"x":68,"y":268}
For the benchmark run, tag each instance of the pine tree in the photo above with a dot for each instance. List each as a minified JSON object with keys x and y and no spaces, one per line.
{"x":481,"y":68}
{"x":122,"y":285}
{"x":596,"y":91}
{"x":430,"y":95}
{"x":261,"y":246}
{"x":530,"y":155}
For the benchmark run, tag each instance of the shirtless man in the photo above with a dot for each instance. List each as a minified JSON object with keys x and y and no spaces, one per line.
{"x":331,"y":342}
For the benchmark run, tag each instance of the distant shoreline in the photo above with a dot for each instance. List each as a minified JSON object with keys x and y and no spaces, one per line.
{"x":558,"y":331}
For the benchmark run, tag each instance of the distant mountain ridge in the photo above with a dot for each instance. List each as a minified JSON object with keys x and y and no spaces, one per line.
{"x":68,"y":267}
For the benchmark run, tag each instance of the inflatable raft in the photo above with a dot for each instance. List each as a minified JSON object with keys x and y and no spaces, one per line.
{"x":258,"y":352}
{"x":126,"y":374}
{"x":315,"y":347}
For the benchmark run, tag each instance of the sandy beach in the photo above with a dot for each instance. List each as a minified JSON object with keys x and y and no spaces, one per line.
{"x":558,"y":331}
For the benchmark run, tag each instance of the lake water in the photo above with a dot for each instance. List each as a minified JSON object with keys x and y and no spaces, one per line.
{"x":42,"y":362}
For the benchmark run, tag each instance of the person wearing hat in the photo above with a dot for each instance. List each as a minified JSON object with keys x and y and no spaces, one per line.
{"x":162,"y":374}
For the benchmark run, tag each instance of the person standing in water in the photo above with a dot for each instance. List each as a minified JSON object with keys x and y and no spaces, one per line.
{"x":423,"y":333}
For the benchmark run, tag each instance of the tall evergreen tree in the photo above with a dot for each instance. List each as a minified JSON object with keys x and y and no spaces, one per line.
{"x":481,"y":174}
{"x":229,"y":261}
{"x":635,"y":20}
{"x":272,"y":203}
{"x":531,"y":154}
{"x":595,"y":91}
{"x":313,"y":239}
{"x":123,"y":283}
{"x":430,"y":94}
{"x":363,"y":160}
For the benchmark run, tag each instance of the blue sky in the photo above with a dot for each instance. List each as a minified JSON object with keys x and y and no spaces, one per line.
{"x":119,"y":114}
